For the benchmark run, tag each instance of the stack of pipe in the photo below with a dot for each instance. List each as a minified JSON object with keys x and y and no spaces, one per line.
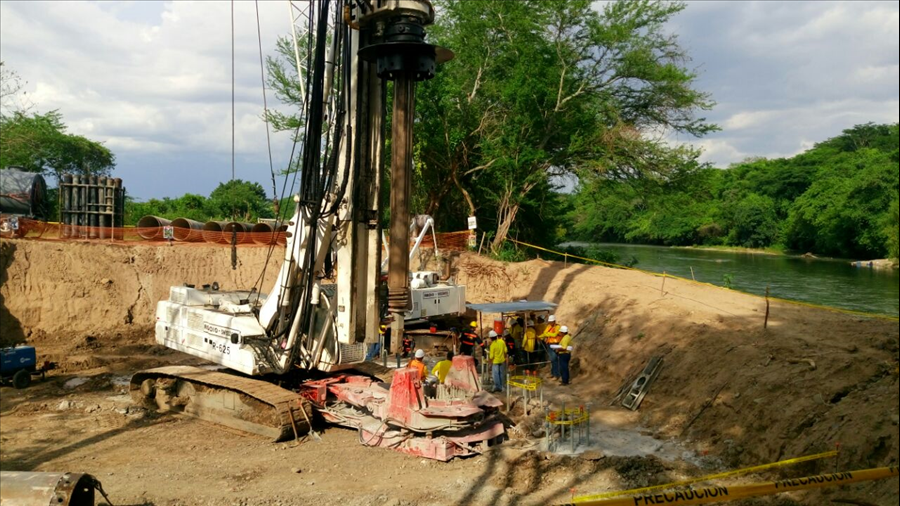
{"x":92,"y":207}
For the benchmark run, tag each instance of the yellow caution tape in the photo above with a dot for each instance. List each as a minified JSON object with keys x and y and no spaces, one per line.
{"x":721,"y":493}
{"x":527,"y":382}
{"x":666,"y":275}
{"x":710,"y":477}
{"x":568,"y":416}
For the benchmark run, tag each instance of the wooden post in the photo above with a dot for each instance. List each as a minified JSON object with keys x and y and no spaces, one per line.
{"x":566,"y":256}
{"x":692,"y":275}
{"x":766,"y":323}
{"x":481,"y":244}
{"x":662,"y":289}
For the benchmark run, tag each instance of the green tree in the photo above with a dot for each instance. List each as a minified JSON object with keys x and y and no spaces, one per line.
{"x":892,"y":231}
{"x":542,"y":88}
{"x":240,"y":200}
{"x":39,"y":143}
{"x":754,"y":223}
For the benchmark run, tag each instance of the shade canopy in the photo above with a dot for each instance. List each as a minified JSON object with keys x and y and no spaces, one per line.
{"x":513,"y":307}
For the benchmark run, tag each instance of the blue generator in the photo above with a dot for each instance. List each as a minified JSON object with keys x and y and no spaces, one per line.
{"x":18,"y":364}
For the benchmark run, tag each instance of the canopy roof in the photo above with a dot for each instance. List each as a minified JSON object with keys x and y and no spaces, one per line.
{"x":514,"y":307}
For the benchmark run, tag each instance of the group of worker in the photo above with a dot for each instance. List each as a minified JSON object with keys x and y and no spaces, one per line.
{"x":524,"y":341}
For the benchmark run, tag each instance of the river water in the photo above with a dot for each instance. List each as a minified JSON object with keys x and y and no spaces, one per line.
{"x":827,"y":282}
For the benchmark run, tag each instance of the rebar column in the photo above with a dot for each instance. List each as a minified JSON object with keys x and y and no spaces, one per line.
{"x":401,"y":179}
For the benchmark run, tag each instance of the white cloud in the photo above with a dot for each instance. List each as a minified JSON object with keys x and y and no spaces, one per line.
{"x":789,"y":74}
{"x":153,"y":80}
{"x":150,"y":79}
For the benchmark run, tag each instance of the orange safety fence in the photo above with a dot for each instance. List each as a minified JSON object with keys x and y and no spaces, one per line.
{"x":165,"y":235}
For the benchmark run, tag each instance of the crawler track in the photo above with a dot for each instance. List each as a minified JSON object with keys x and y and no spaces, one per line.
{"x":245,"y":404}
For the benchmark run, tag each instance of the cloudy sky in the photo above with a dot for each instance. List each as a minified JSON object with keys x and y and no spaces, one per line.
{"x":152,"y":80}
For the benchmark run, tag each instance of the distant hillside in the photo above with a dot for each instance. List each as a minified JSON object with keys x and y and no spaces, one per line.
{"x":839,"y":198}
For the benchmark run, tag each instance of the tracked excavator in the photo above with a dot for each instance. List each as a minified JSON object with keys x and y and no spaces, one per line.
{"x":288,"y":357}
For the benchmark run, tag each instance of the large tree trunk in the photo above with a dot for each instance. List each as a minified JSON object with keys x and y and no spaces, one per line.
{"x":506,"y":216}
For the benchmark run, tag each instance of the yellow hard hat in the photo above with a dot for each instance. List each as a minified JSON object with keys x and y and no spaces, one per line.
{"x":474,"y":324}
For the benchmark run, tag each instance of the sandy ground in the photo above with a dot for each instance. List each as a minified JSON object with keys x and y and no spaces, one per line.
{"x":730,"y":393}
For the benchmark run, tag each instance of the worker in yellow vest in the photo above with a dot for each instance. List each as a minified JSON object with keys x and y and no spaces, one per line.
{"x":541,"y":326}
{"x":497,"y":354}
{"x":564,"y":353}
{"x":529,"y":342}
{"x":443,"y":367}
{"x":550,"y":336}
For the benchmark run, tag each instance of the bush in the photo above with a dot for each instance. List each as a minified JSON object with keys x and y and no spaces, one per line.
{"x":509,"y":253}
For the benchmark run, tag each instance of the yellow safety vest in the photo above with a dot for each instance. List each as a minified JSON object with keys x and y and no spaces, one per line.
{"x":564,"y":343}
{"x":528,"y":340}
{"x":551,"y":335}
{"x":441,"y":369}
{"x":497,"y":352}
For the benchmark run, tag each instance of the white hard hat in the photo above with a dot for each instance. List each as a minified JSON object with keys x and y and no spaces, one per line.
{"x":564,"y":329}
{"x":552,"y":318}
{"x":530,"y":323}
{"x":492,"y":334}
{"x":420,"y":353}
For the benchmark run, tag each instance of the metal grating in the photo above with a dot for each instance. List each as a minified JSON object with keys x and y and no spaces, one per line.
{"x":353,"y":353}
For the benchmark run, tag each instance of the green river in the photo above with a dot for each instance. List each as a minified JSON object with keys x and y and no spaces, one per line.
{"x":828,"y":282}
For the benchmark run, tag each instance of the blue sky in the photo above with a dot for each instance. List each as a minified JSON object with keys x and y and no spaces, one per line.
{"x":152,"y":80}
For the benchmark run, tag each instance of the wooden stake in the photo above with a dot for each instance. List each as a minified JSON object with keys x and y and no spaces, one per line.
{"x":692,"y":274}
{"x":766,"y":323}
{"x":662,"y":289}
{"x":481,"y":244}
{"x":566,"y":256}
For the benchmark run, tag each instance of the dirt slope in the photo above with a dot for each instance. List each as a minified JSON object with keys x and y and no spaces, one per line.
{"x":68,"y":291}
{"x":815,"y":379}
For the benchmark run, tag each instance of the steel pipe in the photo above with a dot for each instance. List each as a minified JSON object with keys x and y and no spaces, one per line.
{"x":263,"y":233}
{"x":150,"y":228}
{"x":401,"y":177}
{"x":187,"y":230}
{"x":242,"y":229}
{"x":212,"y":231}
{"x":42,"y":489}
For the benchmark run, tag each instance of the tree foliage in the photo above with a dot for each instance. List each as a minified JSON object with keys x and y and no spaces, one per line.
{"x":231,"y":201}
{"x":835,"y":199}
{"x":39,"y":143}
{"x":543,"y":88}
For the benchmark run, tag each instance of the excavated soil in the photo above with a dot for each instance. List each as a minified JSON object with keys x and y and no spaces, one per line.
{"x":730,"y":393}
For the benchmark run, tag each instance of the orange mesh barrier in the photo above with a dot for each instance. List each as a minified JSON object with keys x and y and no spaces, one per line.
{"x":50,"y":231}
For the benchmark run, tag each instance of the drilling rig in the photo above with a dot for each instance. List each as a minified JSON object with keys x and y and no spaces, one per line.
{"x":298,"y":351}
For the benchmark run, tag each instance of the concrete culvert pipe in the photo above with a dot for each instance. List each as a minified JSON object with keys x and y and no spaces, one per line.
{"x":151,"y":227}
{"x":212,"y":231}
{"x":41,"y":489}
{"x":187,"y":230}
{"x":243,"y":232}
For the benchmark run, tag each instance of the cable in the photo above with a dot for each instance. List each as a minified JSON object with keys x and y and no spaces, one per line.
{"x":262,"y":78}
{"x":232,"y":96}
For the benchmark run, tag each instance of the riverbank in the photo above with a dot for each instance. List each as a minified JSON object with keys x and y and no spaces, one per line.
{"x":738,"y":249}
{"x":884,"y":264}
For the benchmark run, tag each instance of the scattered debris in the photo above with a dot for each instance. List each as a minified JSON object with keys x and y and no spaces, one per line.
{"x":75,"y":382}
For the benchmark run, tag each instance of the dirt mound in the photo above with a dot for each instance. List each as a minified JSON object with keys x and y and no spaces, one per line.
{"x":812,"y":381}
{"x":65,"y":293}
